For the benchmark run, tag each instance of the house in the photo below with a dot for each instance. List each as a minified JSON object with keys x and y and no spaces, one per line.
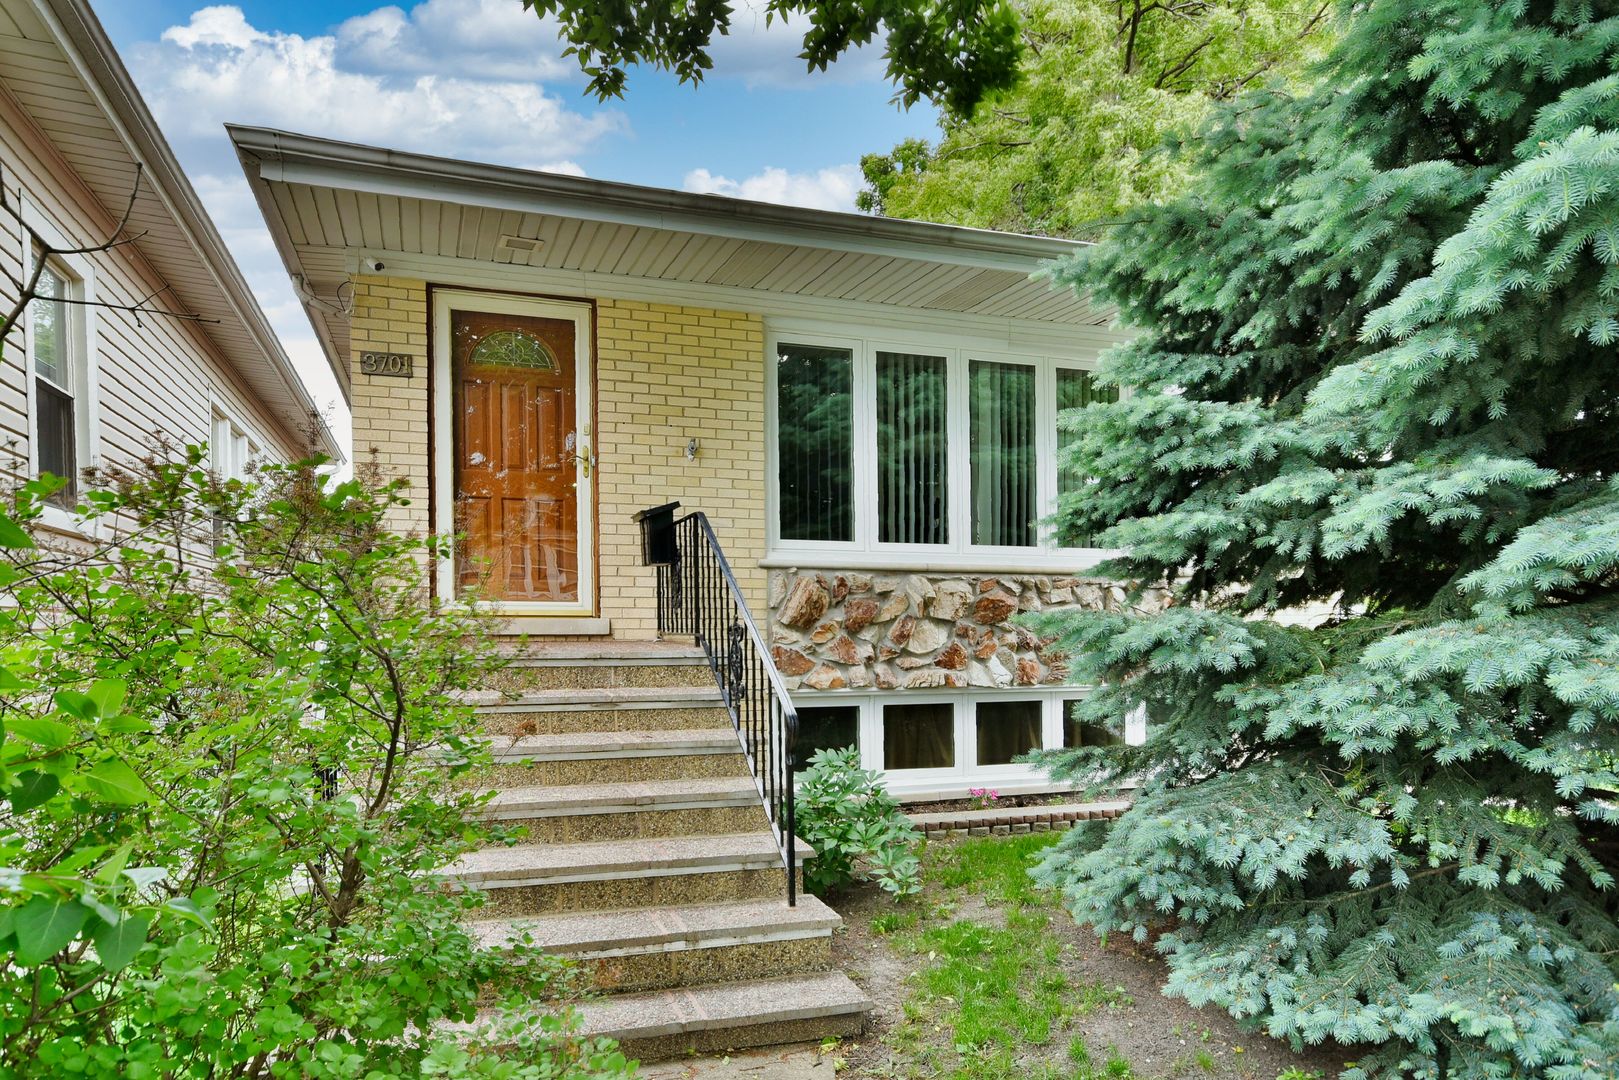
{"x":861,"y":412}
{"x":92,"y":370}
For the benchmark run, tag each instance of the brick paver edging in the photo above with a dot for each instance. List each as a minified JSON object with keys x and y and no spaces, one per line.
{"x":1019,"y":819}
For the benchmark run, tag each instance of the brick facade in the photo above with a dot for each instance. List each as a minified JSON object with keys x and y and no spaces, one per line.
{"x":664,"y":375}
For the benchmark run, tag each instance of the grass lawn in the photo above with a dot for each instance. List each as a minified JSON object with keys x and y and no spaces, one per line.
{"x":985,"y":976}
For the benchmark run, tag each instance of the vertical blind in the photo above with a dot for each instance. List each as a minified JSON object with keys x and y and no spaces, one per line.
{"x":1075,"y":390}
{"x":815,"y":437}
{"x":1003,"y":454}
{"x":913,"y":498}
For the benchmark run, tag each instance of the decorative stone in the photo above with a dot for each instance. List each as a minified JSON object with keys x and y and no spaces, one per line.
{"x":859,"y":583}
{"x":791,"y":661}
{"x":951,"y":599}
{"x":824,"y":633}
{"x":901,"y":631}
{"x":806,"y":602}
{"x":1060,"y":596}
{"x":927,"y":637}
{"x":953,"y":658}
{"x":886,"y":652}
{"x":998,"y":674}
{"x":951,"y":679}
{"x":858,"y":614}
{"x":911,"y":663}
{"x":825,"y":677}
{"x":778,"y":586}
{"x":1028,"y":672}
{"x":840,"y":589}
{"x":918,"y":590}
{"x":923,"y":680}
{"x":988,"y":584}
{"x":859,"y":677}
{"x":978,"y":675}
{"x":1030,"y":601}
{"x":846,"y":650}
{"x":892,"y":608}
{"x":986,"y":647}
{"x":1026,"y":638}
{"x":887,"y":583}
{"x":885,"y":678}
{"x":992,"y":607}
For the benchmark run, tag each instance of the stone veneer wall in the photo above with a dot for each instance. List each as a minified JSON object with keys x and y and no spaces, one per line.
{"x":832,"y":630}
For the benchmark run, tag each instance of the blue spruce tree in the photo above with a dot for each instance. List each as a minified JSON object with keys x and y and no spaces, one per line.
{"x":1379,"y":377}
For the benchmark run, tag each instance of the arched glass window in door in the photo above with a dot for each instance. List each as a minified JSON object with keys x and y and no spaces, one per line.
{"x":513,"y":349}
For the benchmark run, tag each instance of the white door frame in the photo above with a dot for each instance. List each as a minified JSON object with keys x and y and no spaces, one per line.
{"x":443,"y":450}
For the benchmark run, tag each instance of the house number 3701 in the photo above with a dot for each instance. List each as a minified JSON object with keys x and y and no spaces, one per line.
{"x":400,"y":365}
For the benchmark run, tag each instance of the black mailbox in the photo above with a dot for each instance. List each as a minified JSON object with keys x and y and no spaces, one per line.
{"x":658,"y":547}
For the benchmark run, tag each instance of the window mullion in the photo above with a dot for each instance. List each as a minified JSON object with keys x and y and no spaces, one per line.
{"x":1045,"y":450}
{"x":959,"y":459}
{"x":865,"y":447}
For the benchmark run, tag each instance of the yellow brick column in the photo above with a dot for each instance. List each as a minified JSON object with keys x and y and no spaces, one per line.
{"x":391,"y":413}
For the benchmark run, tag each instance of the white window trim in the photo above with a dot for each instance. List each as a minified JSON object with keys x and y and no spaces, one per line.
{"x":256,"y":447}
{"x":85,"y":344}
{"x":966,"y":772}
{"x":865,"y":551}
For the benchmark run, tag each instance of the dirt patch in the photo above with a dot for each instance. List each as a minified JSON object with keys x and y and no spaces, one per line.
{"x":1134,"y":1022}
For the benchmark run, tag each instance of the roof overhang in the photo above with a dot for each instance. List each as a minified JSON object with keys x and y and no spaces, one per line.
{"x":180,"y":241}
{"x":335,"y":206}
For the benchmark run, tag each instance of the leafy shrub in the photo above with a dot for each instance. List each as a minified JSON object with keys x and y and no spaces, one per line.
{"x":231,"y":751}
{"x":855,"y":827}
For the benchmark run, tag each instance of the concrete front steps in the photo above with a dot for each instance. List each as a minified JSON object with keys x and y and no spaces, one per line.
{"x":648,"y":856}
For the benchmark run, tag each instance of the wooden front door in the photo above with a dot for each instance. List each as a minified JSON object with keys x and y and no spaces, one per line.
{"x":521,"y":456}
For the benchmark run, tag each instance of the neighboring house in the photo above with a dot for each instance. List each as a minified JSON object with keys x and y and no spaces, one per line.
{"x":864,"y":408}
{"x":82,"y":382}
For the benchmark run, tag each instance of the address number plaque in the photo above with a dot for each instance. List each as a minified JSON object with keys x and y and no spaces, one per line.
{"x":399,"y":365}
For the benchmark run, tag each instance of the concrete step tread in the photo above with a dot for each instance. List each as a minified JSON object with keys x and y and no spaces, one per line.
{"x":539,"y":863}
{"x":596,"y":933}
{"x":640,"y":795}
{"x":726,"y":1005}
{"x":606,"y":697}
{"x":595,"y":744}
{"x":573,"y":653}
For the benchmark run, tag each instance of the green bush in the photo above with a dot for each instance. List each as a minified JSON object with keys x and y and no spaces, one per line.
{"x":229,"y":770}
{"x":855,"y":827}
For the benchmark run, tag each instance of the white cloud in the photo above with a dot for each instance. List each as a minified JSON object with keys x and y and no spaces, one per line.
{"x":825,"y":189}
{"x":219,"y":67}
{"x":485,"y":39}
{"x":763,"y":55}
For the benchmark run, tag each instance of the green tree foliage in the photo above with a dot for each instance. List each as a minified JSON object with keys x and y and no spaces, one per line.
{"x":855,"y":826}
{"x":951,"y":52}
{"x":232,"y":756}
{"x":1378,"y":376}
{"x":1080,"y":138}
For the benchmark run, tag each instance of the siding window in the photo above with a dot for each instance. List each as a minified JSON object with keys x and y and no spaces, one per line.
{"x":1005,"y":507}
{"x":921,"y":736}
{"x":230,"y":450}
{"x":1075,"y":733}
{"x":824,"y":727}
{"x":53,"y":347}
{"x":1007,"y":730}
{"x":906,"y":453}
{"x":913,"y":500}
{"x":815,"y":430}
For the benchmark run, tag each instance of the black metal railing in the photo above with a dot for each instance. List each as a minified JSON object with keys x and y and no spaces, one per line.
{"x":698,"y":595}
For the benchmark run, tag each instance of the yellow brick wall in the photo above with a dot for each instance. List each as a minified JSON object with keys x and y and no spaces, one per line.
{"x":390,"y":413}
{"x":665,"y":374}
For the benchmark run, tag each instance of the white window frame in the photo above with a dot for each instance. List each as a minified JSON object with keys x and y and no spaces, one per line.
{"x":219,"y":416}
{"x":865,"y":550}
{"x":78,"y":274}
{"x":966,"y":772}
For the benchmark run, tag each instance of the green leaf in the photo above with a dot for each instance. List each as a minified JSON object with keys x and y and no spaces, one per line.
{"x":188,"y":908}
{"x":117,"y":944}
{"x":45,"y":926}
{"x":34,"y":789}
{"x":108,"y":872}
{"x":12,"y":534}
{"x":144,"y":876}
{"x":37,"y":729}
{"x":108,"y":696}
{"x":9,"y":681}
{"x":75,"y":704}
{"x":115,"y":782}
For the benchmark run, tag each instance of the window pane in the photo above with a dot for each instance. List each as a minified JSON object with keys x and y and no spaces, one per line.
{"x":58,"y":440}
{"x":1007,"y":730}
{"x":814,"y":442}
{"x":919,"y":736}
{"x":1004,"y":510}
{"x":1075,"y":733}
{"x":913,"y":496}
{"x":47,"y":323}
{"x":824,"y":727}
{"x":1075,"y":390}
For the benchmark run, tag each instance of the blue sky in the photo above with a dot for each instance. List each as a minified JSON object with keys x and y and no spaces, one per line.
{"x":483,"y":79}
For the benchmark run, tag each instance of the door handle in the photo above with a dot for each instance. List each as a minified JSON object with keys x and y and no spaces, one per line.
{"x":586,"y":460}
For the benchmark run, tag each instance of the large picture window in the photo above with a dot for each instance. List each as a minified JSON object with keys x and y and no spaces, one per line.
{"x":910,"y":452}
